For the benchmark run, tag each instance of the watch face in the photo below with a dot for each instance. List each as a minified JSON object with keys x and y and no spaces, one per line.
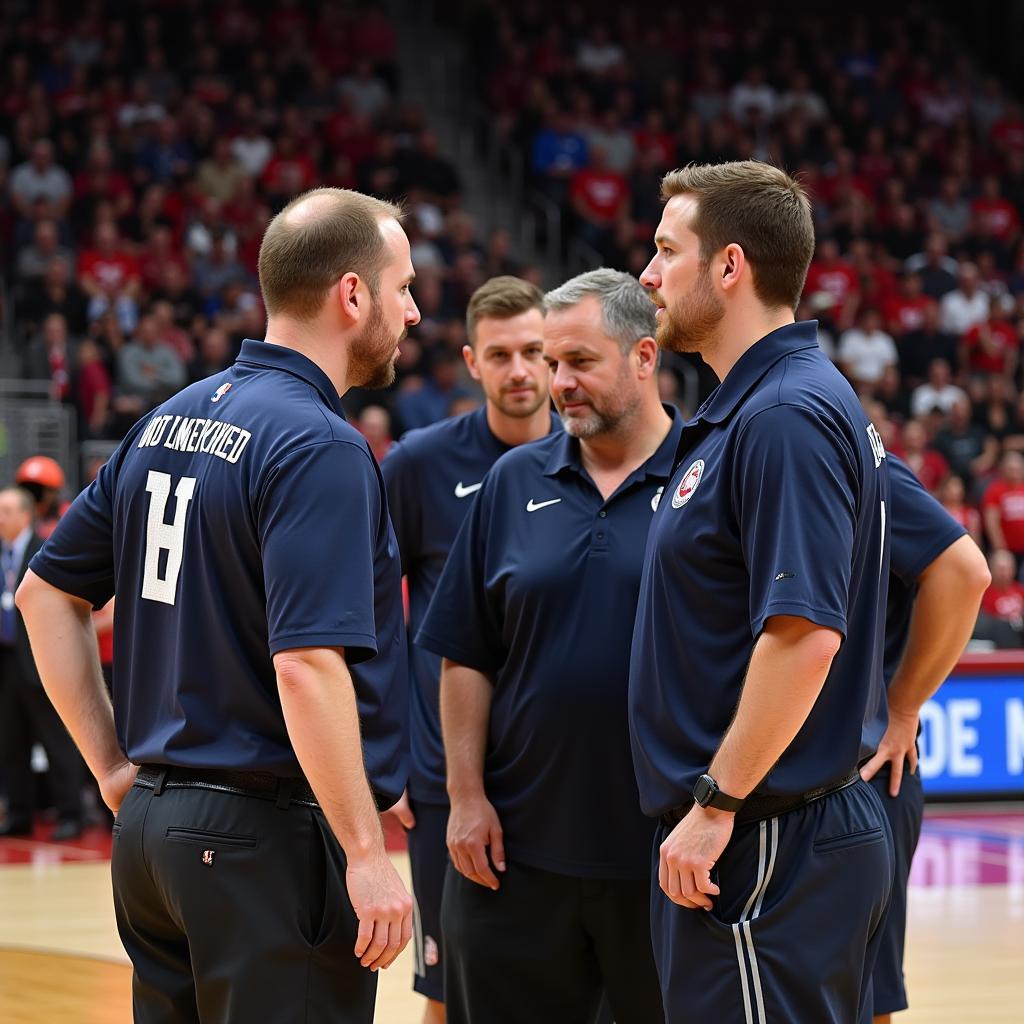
{"x":704,"y":790}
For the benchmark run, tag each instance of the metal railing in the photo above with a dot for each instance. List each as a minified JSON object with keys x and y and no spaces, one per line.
{"x":32,"y":423}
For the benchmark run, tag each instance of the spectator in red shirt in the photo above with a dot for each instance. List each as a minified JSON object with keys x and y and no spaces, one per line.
{"x":1004,"y":599}
{"x":374,"y":423}
{"x":93,"y":390}
{"x":952,"y":494}
{"x":109,"y":275}
{"x":289,"y":171}
{"x":996,"y":216}
{"x":992,"y":347}
{"x":928,"y":465}
{"x":905,"y":311}
{"x":836,"y":280}
{"x":599,"y":196}
{"x":1002,"y":507}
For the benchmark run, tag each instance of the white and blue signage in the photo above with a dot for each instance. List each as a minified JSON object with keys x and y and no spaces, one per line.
{"x":972,"y":736}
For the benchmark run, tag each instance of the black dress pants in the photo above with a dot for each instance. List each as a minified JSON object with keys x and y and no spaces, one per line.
{"x":27,"y":717}
{"x":234,"y":910}
{"x":542,"y":948}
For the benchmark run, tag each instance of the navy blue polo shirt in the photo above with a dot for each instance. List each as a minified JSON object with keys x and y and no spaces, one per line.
{"x":242,"y":517}
{"x":775,"y":508}
{"x":921,"y":530}
{"x":539,"y":593}
{"x":432,"y":476}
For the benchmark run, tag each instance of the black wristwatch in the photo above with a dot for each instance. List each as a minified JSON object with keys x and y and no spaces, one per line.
{"x":707,"y":794}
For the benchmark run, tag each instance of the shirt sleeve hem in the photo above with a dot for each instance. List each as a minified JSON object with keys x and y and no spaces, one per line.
{"x":933,"y":551}
{"x":359,"y":646}
{"x":97,"y":593}
{"x":819,"y":616}
{"x":453,"y":652}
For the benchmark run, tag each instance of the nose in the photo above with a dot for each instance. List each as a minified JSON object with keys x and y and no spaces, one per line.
{"x":519,"y":369}
{"x":412,"y":313}
{"x":650,"y":278}
{"x":562,"y":380}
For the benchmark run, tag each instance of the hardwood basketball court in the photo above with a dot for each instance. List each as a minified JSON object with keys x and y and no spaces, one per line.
{"x":60,"y":958}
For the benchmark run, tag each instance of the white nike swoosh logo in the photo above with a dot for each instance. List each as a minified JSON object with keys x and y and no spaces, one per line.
{"x":532,"y":506}
{"x":463,"y":492}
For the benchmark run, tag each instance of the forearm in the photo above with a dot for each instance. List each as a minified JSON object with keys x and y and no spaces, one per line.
{"x":466,"y":696}
{"x":64,"y":646}
{"x":322,"y":717}
{"x":945,"y":610}
{"x":787,"y":670}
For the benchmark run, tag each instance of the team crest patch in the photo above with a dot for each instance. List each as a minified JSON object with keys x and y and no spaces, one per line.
{"x":430,"y":952}
{"x":684,"y":492}
{"x":221,"y":392}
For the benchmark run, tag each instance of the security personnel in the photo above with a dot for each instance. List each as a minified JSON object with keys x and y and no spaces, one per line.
{"x":937,"y":580}
{"x":26,"y":716}
{"x":244,"y":527}
{"x":432,"y":476}
{"x":546,"y":897}
{"x":773,"y":861}
{"x":43,"y":478}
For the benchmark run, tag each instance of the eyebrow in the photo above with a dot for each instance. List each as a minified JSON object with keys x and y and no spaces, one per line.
{"x":409,"y":279}
{"x":589,"y":353}
{"x":664,"y":240}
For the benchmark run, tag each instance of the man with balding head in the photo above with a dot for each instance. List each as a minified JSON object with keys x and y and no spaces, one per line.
{"x":260,"y":707}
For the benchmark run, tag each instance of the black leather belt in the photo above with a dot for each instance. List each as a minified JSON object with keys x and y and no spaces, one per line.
{"x":283,"y":791}
{"x":757,"y":808}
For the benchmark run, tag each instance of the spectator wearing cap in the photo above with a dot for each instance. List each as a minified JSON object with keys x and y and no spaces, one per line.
{"x":43,"y":478}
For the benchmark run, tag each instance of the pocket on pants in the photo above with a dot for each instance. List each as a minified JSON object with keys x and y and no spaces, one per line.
{"x":211,"y":839}
{"x":849,"y":841}
{"x":332,"y":907}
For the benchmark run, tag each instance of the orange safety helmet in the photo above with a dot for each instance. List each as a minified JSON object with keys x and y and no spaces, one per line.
{"x":40,"y":470}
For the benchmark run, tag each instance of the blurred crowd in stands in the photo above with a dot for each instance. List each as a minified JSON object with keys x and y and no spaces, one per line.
{"x":143,"y":148}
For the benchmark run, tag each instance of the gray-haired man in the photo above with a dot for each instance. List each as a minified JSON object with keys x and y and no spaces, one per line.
{"x":546,"y":902}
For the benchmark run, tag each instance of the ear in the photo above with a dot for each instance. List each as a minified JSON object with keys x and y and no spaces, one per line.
{"x":645,"y":351}
{"x":470,"y":356}
{"x":732,"y":266}
{"x":351,"y":296}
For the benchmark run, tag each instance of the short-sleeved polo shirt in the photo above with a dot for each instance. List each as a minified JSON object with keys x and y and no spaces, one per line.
{"x":242,"y":517}
{"x":539,"y":593}
{"x":776,"y":507}
{"x":432,"y":476}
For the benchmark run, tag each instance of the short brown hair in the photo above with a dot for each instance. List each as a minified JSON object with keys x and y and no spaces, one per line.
{"x":501,"y":298}
{"x":760,"y":208}
{"x":301,"y":259}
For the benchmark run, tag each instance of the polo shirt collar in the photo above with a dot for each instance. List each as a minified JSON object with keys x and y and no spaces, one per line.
{"x":277,"y":357}
{"x":753,"y":365}
{"x":565,"y":452}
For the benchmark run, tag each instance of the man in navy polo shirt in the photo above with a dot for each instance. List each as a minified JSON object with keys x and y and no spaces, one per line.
{"x":937,"y":580}
{"x":259,"y":681}
{"x":545,"y":901}
{"x":432,"y":476}
{"x":757,"y":648}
